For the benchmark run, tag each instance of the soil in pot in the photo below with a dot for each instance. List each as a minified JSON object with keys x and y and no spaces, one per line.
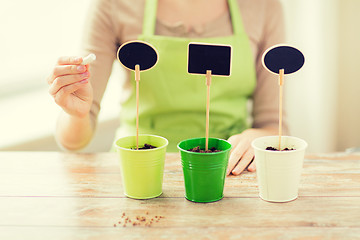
{"x":145,"y":147}
{"x":275,"y":149}
{"x":197,"y":149}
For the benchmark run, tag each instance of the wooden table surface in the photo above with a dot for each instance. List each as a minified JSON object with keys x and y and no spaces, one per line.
{"x":53,"y":195}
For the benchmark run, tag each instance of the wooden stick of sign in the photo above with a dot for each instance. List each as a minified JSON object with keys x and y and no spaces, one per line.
{"x":211,"y":60}
{"x":137,"y":79}
{"x":280,"y":60}
{"x":281,"y":83}
{"x":208,"y":83}
{"x":132,"y":55}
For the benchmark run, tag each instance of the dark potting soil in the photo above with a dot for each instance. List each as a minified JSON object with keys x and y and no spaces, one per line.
{"x":197,"y":149}
{"x":146,"y":146}
{"x":275,"y":149}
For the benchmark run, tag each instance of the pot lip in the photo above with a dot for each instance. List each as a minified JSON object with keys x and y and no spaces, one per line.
{"x":198,"y":153}
{"x":279,"y":152}
{"x":143,"y":150}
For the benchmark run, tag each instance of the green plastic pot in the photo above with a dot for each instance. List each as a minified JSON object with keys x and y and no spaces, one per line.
{"x":204,"y":173}
{"x":142,"y":170}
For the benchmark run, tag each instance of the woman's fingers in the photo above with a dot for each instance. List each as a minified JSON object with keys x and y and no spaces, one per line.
{"x":233,"y":160}
{"x":236,"y":154}
{"x":234,"y":157}
{"x":242,"y":154}
{"x":63,"y":70}
{"x":252,"y":167}
{"x":62,"y":81}
{"x":70,"y":87}
{"x":245,"y":161}
{"x":61,"y":96}
{"x":66,"y":66}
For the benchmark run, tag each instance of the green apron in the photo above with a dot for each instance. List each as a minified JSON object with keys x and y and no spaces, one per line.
{"x":173,"y":102}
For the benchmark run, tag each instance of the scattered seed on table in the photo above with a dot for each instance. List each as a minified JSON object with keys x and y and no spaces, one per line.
{"x":145,"y":220}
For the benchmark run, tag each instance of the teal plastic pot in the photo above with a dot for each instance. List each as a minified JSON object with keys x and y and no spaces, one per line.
{"x":204,"y":173}
{"x":142,"y":170}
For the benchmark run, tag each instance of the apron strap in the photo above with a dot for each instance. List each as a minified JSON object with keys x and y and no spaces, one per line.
{"x":151,"y":9}
{"x":236,"y":19}
{"x":149,"y":17}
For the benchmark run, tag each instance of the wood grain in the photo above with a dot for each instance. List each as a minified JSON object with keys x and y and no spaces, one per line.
{"x":79,"y":196}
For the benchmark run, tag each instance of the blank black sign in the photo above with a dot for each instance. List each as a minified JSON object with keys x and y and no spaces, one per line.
{"x":137,"y":52}
{"x":203,"y":57}
{"x":283,"y":57}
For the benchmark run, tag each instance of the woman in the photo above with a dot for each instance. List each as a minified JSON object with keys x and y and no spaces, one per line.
{"x":172,"y":101}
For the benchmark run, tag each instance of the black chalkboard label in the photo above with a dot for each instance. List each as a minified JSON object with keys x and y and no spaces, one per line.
{"x":214,"y":57}
{"x":137,"y":52}
{"x":283,"y":57}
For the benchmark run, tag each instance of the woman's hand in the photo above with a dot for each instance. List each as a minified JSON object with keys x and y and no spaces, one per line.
{"x":242,"y":153}
{"x":70,"y":87}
